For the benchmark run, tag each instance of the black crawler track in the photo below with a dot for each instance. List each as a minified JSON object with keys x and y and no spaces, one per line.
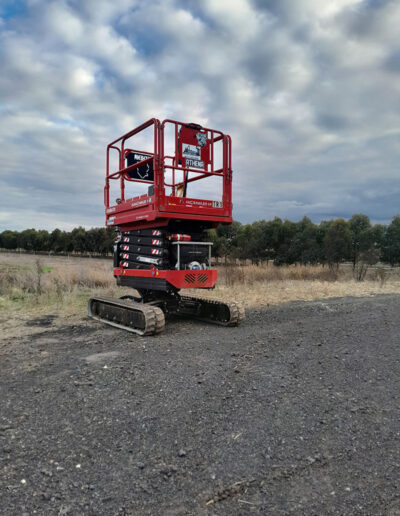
{"x":148,"y":318}
{"x":140,"y":318}
{"x":214,"y":311}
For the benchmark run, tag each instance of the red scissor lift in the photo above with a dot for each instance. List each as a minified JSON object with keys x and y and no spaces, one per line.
{"x":162,"y":244}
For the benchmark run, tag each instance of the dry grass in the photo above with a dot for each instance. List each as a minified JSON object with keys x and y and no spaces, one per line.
{"x":60,"y":285}
{"x":269,"y":285}
{"x":254,"y":274}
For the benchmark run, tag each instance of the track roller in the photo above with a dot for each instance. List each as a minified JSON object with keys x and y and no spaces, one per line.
{"x":126,"y":314}
{"x":214,"y":311}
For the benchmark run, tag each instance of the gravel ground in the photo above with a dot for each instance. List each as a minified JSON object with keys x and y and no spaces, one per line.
{"x":295,"y":412}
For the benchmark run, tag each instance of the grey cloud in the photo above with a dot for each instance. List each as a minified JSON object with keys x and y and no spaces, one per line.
{"x":332,"y":122}
{"x":393,"y":61}
{"x":309,"y":92}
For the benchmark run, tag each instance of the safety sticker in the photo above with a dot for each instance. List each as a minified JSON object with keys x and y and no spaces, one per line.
{"x":202,"y":139}
{"x":191,"y":151}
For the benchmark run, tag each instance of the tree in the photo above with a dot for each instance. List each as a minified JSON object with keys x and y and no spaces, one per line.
{"x":228,"y":239}
{"x":27,"y":239}
{"x":377,"y":235}
{"x":361,"y":242}
{"x":304,"y":247}
{"x":283,"y":253}
{"x":250,"y":242}
{"x":391,"y":246}
{"x":99,"y":240}
{"x":275,"y":236}
{"x":337,"y":242}
{"x":322,"y":230}
{"x":42,"y":240}
{"x":9,"y":239}
{"x":56,"y":241}
{"x":370,"y":250}
{"x":267,"y":239}
{"x":78,"y":240}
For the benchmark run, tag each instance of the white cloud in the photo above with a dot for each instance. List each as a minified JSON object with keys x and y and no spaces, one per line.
{"x":308,"y":90}
{"x":62,"y":22}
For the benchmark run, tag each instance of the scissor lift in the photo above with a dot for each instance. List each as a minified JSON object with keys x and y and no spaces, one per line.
{"x":161,"y":246}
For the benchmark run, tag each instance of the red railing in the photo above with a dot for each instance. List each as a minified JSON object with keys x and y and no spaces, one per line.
{"x":122,"y":172}
{"x":162,"y":163}
{"x":174,"y":167}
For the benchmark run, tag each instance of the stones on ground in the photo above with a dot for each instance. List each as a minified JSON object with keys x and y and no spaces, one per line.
{"x":181,"y":453}
{"x":161,"y":397}
{"x":167,"y":470}
{"x":100,"y":357}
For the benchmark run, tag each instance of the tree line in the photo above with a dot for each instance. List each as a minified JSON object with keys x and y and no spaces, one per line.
{"x":330,"y":242}
{"x":79,"y":240}
{"x":282,"y":241}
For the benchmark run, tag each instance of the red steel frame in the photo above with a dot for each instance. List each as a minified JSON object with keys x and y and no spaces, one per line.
{"x":156,"y":210}
{"x":179,"y":279}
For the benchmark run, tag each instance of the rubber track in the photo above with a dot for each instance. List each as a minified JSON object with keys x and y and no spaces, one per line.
{"x":154,"y":316}
{"x":236,"y":310}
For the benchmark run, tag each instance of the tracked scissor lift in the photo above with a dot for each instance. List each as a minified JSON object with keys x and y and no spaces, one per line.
{"x":162,"y":247}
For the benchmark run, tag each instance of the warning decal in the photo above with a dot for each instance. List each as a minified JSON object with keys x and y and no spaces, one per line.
{"x":143,"y":172}
{"x":191,"y":151}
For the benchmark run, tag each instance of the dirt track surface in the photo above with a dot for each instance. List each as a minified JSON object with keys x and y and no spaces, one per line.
{"x":295,"y":412}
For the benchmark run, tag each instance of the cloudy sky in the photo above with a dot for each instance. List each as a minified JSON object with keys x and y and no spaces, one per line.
{"x":309,"y":90}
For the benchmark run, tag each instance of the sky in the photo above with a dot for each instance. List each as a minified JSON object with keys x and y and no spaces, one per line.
{"x":309,"y":91}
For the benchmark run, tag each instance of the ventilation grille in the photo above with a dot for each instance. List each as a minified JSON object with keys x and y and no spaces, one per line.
{"x":192,"y":278}
{"x":202,"y":278}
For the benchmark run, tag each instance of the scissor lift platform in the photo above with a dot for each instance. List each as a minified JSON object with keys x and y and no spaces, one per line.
{"x":193,"y":158}
{"x":161,"y":247}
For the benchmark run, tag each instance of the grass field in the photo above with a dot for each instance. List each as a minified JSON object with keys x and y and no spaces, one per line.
{"x":41,"y":284}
